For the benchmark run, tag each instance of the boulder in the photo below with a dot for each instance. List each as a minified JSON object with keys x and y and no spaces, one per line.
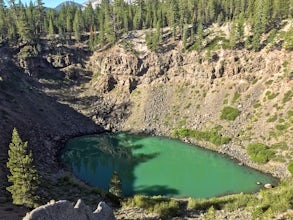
{"x":104,"y":212}
{"x":268,"y":186}
{"x":64,"y":210}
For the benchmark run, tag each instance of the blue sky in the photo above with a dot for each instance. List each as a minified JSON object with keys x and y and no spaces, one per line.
{"x":49,"y":3}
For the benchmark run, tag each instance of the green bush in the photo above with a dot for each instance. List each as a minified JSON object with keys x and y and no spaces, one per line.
{"x":165,"y":207}
{"x":236,"y":97}
{"x":211,"y":136}
{"x":229,"y":113}
{"x":271,"y":95}
{"x":290,"y":167}
{"x":272,"y":118}
{"x":270,"y":82}
{"x":259,"y":152}
{"x":281,"y":145}
{"x":204,"y":204}
{"x":256,"y":105}
{"x":282,"y":127}
{"x":289,"y":114}
{"x":288,"y":96}
{"x":288,"y":41}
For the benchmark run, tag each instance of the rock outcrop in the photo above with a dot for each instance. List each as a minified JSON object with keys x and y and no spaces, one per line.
{"x":64,"y":210}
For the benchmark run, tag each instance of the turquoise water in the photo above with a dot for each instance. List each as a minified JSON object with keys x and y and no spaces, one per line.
{"x":158,"y":166}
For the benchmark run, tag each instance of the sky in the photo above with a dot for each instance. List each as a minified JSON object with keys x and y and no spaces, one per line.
{"x":49,"y":3}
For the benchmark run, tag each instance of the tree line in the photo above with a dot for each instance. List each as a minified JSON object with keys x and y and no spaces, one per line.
{"x":21,"y":23}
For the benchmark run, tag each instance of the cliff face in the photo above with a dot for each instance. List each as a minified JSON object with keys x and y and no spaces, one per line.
{"x":161,"y":92}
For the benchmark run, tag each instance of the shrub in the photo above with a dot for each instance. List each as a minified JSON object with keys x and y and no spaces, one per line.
{"x":236,"y":97}
{"x":288,"y":41}
{"x":229,"y":113}
{"x":290,"y":167}
{"x":211,"y":136}
{"x":272,"y":118}
{"x":270,"y":82}
{"x":205,"y":204}
{"x":281,"y":145}
{"x":256,"y":105}
{"x":288,"y":96}
{"x":259,"y":152}
{"x":282,"y":127}
{"x":271,"y":95}
{"x":165,"y":207}
{"x":289,"y":114}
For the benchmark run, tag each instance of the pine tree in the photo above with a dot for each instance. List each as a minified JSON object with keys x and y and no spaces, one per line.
{"x":92,"y":40}
{"x":240,"y":26}
{"x":24,"y":177}
{"x":61,"y":21}
{"x":39,"y":15}
{"x":77,"y":24}
{"x":107,"y":22}
{"x":199,"y":37}
{"x":89,"y":17}
{"x":51,"y":30}
{"x":288,"y":43}
{"x":182,"y":8}
{"x":23,"y":27}
{"x":267,"y":13}
{"x":11,"y":30}
{"x":185,"y":35}
{"x":31,"y":19}
{"x":211,"y":11}
{"x":115,"y":185}
{"x":233,"y":35}
{"x":258,"y":27}
{"x":3,"y":27}
{"x":139,"y":14}
{"x":125,"y":22}
{"x":172,"y":15}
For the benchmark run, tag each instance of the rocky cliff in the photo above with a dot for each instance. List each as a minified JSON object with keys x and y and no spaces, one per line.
{"x":160,"y":92}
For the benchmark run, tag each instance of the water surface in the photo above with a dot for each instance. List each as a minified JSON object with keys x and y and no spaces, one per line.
{"x":158,"y":166}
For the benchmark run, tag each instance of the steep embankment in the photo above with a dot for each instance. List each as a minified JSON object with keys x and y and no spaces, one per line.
{"x":41,"y":119}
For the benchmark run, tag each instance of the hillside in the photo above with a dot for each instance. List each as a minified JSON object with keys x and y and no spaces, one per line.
{"x":66,"y":90}
{"x":170,"y":91}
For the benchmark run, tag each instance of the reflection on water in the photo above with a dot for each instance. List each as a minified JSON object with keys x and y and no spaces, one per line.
{"x":157,"y":166}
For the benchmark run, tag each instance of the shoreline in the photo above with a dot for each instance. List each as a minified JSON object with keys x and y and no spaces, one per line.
{"x":188,"y":141}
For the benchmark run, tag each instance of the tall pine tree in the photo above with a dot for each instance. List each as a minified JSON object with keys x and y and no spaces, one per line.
{"x":3,"y":27}
{"x":77,"y":24}
{"x":24,"y":176}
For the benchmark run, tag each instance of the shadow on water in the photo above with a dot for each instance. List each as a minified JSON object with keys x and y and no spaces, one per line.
{"x":156,"y":190}
{"x":94,"y":159}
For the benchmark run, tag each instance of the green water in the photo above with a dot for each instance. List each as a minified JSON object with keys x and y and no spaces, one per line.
{"x":158,"y":166}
